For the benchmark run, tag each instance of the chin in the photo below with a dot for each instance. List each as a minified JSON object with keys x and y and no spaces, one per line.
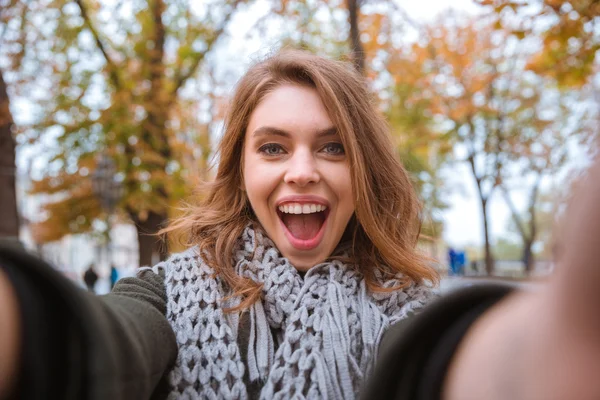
{"x":304,"y":263}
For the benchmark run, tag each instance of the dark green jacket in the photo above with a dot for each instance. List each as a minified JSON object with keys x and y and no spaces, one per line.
{"x":121,"y":346}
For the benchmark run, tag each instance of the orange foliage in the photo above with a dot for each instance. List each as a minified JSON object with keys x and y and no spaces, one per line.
{"x":570,"y":42}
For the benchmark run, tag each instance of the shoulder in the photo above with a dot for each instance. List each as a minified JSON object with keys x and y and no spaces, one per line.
{"x":176,"y":261}
{"x":150,"y":283}
{"x":181,"y":268}
{"x":401,"y":303}
{"x":422,"y":346}
{"x":424,"y":291}
{"x":418,"y":295}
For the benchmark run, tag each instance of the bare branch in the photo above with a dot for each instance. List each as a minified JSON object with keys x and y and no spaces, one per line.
{"x":414,"y":24}
{"x":156,"y":57}
{"x":514,"y":213}
{"x":112,"y":67}
{"x":358,"y":53}
{"x":533,"y":199}
{"x":181,"y":77}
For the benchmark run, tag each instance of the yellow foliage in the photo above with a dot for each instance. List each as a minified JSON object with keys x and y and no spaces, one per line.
{"x":570,"y":43}
{"x":73,"y":213}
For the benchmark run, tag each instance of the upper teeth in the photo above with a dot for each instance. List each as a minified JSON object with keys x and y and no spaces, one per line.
{"x":296,"y":208}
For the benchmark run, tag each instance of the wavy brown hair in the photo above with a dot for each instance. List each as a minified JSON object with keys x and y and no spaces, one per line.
{"x":383,"y":233}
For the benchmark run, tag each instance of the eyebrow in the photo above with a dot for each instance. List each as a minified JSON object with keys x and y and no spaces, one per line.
{"x":269,"y":130}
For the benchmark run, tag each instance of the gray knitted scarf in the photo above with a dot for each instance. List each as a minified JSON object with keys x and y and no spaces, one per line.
{"x":311,"y":337}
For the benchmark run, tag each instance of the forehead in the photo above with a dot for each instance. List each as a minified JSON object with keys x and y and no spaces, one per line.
{"x":293,"y":108}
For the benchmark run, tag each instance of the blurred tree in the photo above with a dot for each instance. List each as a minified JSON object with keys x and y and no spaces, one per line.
{"x":542,"y":150}
{"x":421,"y":145}
{"x":358,"y":53}
{"x":536,"y":237}
{"x":473,"y":82}
{"x":9,"y":217}
{"x":318,"y":26}
{"x":454,"y":75}
{"x":568,"y":30}
{"x":507,"y":250}
{"x":568,"y":43}
{"x":111,"y":77}
{"x":357,"y":30}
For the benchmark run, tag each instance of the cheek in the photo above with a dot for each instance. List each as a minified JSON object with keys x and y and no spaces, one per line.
{"x":260,"y":180}
{"x":345,"y":193}
{"x":341,"y":182}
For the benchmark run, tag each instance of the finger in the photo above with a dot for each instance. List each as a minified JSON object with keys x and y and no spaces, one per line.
{"x":9,"y":335}
{"x":578,"y":259}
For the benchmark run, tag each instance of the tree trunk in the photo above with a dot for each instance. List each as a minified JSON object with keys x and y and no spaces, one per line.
{"x":358,"y":53}
{"x":528,"y":259}
{"x":489,"y":258}
{"x":151,"y":247}
{"x":9,"y":219}
{"x":154,"y":135}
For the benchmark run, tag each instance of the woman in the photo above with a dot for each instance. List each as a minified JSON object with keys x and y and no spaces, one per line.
{"x":306,"y":231}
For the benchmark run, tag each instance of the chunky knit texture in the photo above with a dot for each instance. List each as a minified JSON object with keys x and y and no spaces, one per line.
{"x":311,"y":337}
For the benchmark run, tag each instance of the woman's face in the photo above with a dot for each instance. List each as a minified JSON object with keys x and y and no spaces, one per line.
{"x":296,"y":175}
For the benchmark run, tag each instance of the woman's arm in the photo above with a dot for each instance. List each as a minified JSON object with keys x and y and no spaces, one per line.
{"x":10,"y":332}
{"x":544,"y":344}
{"x":141,"y":344}
{"x":415,"y":353}
{"x":524,"y":349}
{"x":77,"y":345}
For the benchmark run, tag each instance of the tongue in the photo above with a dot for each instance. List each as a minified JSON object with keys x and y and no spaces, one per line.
{"x":303,"y":226}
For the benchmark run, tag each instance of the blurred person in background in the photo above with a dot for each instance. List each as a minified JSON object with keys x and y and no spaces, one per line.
{"x":114,"y":276}
{"x":90,"y":277}
{"x":304,"y":280}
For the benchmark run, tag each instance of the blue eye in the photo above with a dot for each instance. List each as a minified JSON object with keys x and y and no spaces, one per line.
{"x":334,"y":149}
{"x":271,"y":149}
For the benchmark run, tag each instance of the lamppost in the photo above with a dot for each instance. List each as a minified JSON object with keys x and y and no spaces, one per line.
{"x":109,"y":190}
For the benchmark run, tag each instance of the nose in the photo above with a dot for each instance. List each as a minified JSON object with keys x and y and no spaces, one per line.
{"x":302,"y":169}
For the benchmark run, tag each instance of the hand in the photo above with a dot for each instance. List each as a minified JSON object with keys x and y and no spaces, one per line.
{"x":9,"y":335}
{"x":544,"y":344}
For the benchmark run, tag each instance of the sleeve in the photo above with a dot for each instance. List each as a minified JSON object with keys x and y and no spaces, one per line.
{"x":80,"y":346}
{"x":416,"y":352}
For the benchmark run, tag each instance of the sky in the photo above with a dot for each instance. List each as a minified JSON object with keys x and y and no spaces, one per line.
{"x":427,"y":10}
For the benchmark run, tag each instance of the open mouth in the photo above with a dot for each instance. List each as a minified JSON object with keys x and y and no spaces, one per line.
{"x":303,"y":223}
